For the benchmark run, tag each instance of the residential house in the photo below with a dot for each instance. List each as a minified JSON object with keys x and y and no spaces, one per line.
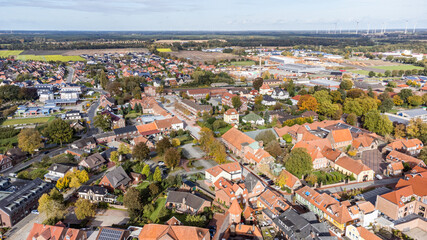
{"x":57,"y":171}
{"x":16,"y":154}
{"x":226,"y":192}
{"x":105,"y":101}
{"x":340,"y":138}
{"x":186,"y":202}
{"x":128,"y":132}
{"x":150,"y":91}
{"x":112,"y":233}
{"x":227,"y":100}
{"x":230,"y":171}
{"x":395,"y":169}
{"x":253,"y":119}
{"x":267,"y":100}
{"x":280,"y":94}
{"x":149,"y":129}
{"x":96,"y":194}
{"x":272,"y":204}
{"x":5,"y":162}
{"x":105,"y":137}
{"x":173,"y":230}
{"x":310,"y":114}
{"x":355,"y":168}
{"x":72,"y":115}
{"x":169,"y":124}
{"x":360,"y":233}
{"x":56,"y":232}
{"x":409,"y":197}
{"x":85,"y":144}
{"x":292,"y":182}
{"x":75,"y":152}
{"x":396,"y":156}
{"x":231,"y":116}
{"x":117,"y":121}
{"x":315,"y":149}
{"x":364,"y":142}
{"x":193,"y":107}
{"x":115,"y":179}
{"x":265,"y":89}
{"x":198,"y":93}
{"x":408,"y":146}
{"x":17,"y":205}
{"x":93,"y":162}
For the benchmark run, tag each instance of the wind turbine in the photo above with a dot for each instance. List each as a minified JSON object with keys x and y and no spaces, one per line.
{"x":357,"y":27}
{"x":415,"y":26}
{"x":367,"y":31}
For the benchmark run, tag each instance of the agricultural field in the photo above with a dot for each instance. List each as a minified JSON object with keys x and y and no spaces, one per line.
{"x":8,"y":53}
{"x":164,"y":49}
{"x":242,"y":63}
{"x":362,"y":72}
{"x":27,"y":120}
{"x":398,"y":67}
{"x":49,"y":58}
{"x":201,"y":57}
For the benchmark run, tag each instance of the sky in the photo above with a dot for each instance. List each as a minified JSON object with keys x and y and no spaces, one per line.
{"x":211,"y":15}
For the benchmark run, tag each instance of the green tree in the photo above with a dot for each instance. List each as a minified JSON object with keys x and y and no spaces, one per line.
{"x":266,"y":137}
{"x":371,"y":74}
{"x":378,"y":123}
{"x":423,"y":154}
{"x":102,"y":121}
{"x":140,"y":151}
{"x":299,"y":162}
{"x":387,"y":73}
{"x":124,"y":149}
{"x":237,"y":103}
{"x":163,"y":145}
{"x":52,"y":205}
{"x":311,"y":179}
{"x":415,"y":100}
{"x":404,"y":94}
{"x":172,"y":158}
{"x":84,"y":209}
{"x":417,"y":129}
{"x":157,"y":177}
{"x":146,"y":170}
{"x":386,"y":105}
{"x":346,"y":84}
{"x":282,"y":179}
{"x":29,"y":139}
{"x":258,"y":83}
{"x":59,"y":131}
{"x":133,"y":201}
{"x":352,"y":119}
{"x":274,"y":149}
{"x":114,"y":157}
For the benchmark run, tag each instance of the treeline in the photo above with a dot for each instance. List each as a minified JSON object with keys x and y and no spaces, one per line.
{"x":12,"y":93}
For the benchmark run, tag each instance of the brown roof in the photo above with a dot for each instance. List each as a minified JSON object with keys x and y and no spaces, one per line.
{"x":354,"y":166}
{"x":167,"y":123}
{"x":227,"y":167}
{"x":235,"y":208}
{"x":395,"y":196}
{"x":175,"y":232}
{"x":236,"y":138}
{"x":94,"y":160}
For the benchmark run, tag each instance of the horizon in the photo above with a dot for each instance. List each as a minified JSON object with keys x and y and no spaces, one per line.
{"x":221,"y":15}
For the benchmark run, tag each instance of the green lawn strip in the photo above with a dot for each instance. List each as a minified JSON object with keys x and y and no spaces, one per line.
{"x":398,"y":67}
{"x":27,"y":120}
{"x":363,"y":72}
{"x":243,"y":63}
{"x":8,"y":53}
{"x":142,"y":185}
{"x":160,"y":203}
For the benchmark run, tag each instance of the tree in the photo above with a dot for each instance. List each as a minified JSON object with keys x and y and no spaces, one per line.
{"x":355,"y":93}
{"x":163,"y":145}
{"x":63,"y":183}
{"x":387,"y":73}
{"x":423,"y":154}
{"x":378,"y":123}
{"x":311,"y":179}
{"x":146,"y":170}
{"x":386,"y":105}
{"x":140,"y":151}
{"x":59,"y":131}
{"x":282,"y":179}
{"x":299,"y":162}
{"x":274,"y":149}
{"x":123,"y":149}
{"x":114,"y":157}
{"x":371,"y":74}
{"x":29,"y":139}
{"x":425,"y":99}
{"x":258,"y":83}
{"x":404,"y":94}
{"x":154,"y":189}
{"x":133,"y":200}
{"x":157,"y":177}
{"x":415,"y":100}
{"x":417,"y":129}
{"x":176,"y":142}
{"x":307,"y":102}
{"x":397,"y":100}
{"x":266,"y":137}
{"x":352,"y":119}
{"x":172,"y":158}
{"x":346,"y":84}
{"x":336,"y":96}
{"x":52,"y":205}
{"x":237,"y":103}
{"x":84,"y":209}
{"x":102,"y":121}
{"x":399,"y":131}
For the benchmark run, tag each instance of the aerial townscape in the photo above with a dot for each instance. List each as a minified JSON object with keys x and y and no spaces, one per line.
{"x":315,"y":133}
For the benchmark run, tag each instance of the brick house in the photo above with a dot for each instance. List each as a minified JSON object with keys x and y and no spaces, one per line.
{"x":396,"y":156}
{"x":93,"y":162}
{"x":340,"y":138}
{"x":56,"y":232}
{"x":128,"y":132}
{"x":5,"y":162}
{"x":355,"y":168}
{"x":115,"y":179}
{"x":186,"y":202}
{"x":409,"y":146}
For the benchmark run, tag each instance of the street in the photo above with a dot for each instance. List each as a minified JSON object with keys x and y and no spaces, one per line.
{"x":22,"y":228}
{"x":346,"y":187}
{"x":70,"y":75}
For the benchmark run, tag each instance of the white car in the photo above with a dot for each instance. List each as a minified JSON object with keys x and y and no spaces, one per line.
{"x":161,"y":163}
{"x":379,"y":177}
{"x":35,"y":212}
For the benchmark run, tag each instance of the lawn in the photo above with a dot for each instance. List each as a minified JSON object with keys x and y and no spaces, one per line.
{"x":362,"y":72}
{"x":4,"y":143}
{"x":143,"y":185}
{"x":49,"y":58}
{"x":27,"y":120}
{"x":243,"y":63}
{"x":8,"y":53}
{"x":164,"y":49}
{"x":160,"y":203}
{"x":398,"y":67}
{"x":132,"y":115}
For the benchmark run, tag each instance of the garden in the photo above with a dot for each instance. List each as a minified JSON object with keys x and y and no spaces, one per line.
{"x":327,"y":177}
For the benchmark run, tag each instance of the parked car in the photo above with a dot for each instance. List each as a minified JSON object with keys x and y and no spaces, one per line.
{"x":379,"y":177}
{"x":35,"y":212}
{"x":161,"y":163}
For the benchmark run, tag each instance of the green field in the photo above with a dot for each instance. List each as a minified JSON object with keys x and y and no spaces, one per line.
{"x":142,"y":185}
{"x":8,"y":53}
{"x":164,"y":49}
{"x":363,"y":72}
{"x":243,"y":63}
{"x":160,"y":203}
{"x":398,"y":67}
{"x":27,"y":120}
{"x":49,"y":58}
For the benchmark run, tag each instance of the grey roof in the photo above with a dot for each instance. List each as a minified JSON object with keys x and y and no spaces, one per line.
{"x":81,"y":143}
{"x":268,"y":98}
{"x":95,"y":189}
{"x":95,"y":160}
{"x":118,"y":177}
{"x":250,"y":182}
{"x":191,"y":200}
{"x":254,"y":134}
{"x":127,"y":129}
{"x":196,"y":106}
{"x":59,"y":168}
{"x":397,"y":119}
{"x":415,"y":112}
{"x":371,"y":196}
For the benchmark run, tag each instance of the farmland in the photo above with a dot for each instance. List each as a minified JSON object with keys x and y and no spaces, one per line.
{"x":27,"y":120}
{"x":49,"y":58}
{"x":243,"y":63}
{"x":8,"y":53}
{"x":398,"y":67}
{"x":164,"y":49}
{"x":200,"y":57}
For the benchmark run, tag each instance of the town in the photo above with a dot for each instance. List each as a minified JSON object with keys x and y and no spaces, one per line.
{"x":182,"y":140}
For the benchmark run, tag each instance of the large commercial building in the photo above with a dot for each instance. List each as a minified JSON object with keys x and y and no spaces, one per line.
{"x":301,"y":68}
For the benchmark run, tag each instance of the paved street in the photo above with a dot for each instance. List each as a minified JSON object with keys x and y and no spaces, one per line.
{"x":70,"y":75}
{"x":375,"y":183}
{"x":22,"y":228}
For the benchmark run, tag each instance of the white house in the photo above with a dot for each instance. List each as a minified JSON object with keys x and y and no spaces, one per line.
{"x":279,"y":93}
{"x":57,"y":171}
{"x":229,"y":171}
{"x":231,"y":116}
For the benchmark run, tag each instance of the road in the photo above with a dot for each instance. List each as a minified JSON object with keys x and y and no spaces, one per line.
{"x":22,"y":228}
{"x":70,"y":75}
{"x":346,"y":187}
{"x":189,"y":124}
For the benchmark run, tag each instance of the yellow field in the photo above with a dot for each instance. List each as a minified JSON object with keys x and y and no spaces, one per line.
{"x":164,"y":49}
{"x":49,"y":58}
{"x":7,"y":53}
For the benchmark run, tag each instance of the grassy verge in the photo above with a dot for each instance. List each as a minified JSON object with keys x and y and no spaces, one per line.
{"x":398,"y":67}
{"x":160,"y":203}
{"x":27,"y":120}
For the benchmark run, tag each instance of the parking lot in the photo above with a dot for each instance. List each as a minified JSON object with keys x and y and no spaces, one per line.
{"x":374,"y":160}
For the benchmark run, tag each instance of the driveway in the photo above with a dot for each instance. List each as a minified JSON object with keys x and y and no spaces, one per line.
{"x":374,"y":160}
{"x":192,"y":152}
{"x":109,"y":217}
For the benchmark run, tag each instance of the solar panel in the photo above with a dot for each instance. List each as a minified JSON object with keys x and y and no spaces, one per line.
{"x":109,"y":234}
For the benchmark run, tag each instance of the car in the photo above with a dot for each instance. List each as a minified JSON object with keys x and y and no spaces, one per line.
{"x":161,"y":163}
{"x":379,"y":177}
{"x":35,"y":212}
{"x":13,"y":175}
{"x":277,"y":188}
